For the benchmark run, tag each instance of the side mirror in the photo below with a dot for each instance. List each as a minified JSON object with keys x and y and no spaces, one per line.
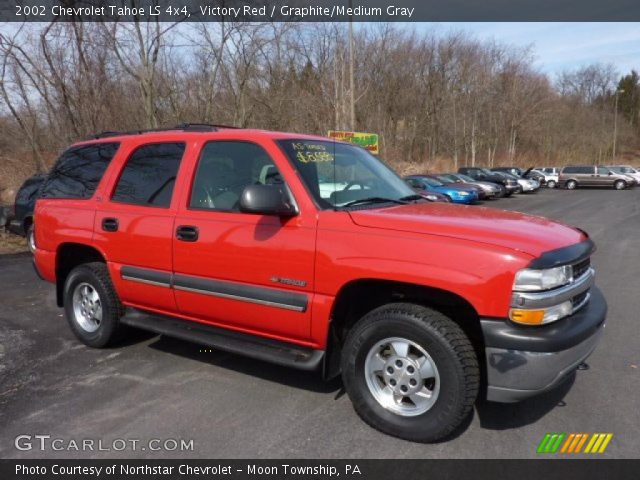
{"x":610,"y":173}
{"x":266,"y":200}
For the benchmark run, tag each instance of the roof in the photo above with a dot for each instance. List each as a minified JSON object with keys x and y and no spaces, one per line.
{"x":196,"y":131}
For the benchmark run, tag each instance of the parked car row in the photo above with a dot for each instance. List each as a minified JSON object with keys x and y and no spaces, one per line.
{"x":471,"y":184}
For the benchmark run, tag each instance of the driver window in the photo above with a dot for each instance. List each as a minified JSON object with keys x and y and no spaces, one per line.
{"x":225,"y":169}
{"x":603,"y":171}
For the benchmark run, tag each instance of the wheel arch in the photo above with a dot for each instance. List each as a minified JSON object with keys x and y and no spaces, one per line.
{"x":358,"y":297}
{"x":68,"y":257}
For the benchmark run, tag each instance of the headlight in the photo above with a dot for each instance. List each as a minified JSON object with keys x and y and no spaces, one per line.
{"x":529,"y":280}
{"x":464,"y":194}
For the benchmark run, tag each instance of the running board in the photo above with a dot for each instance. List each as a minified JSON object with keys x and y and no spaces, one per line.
{"x":274,"y":351}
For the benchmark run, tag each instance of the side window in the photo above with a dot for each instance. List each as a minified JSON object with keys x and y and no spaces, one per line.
{"x":225,"y":168}
{"x":586,"y":170}
{"x":149,"y":176}
{"x":603,"y":171}
{"x":413,"y":183}
{"x":78,"y":171}
{"x":571,"y":170}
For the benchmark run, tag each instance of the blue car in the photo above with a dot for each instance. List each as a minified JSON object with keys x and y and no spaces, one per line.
{"x":457,"y":193}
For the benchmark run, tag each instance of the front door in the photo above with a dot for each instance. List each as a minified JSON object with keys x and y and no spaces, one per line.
{"x":253,"y":273}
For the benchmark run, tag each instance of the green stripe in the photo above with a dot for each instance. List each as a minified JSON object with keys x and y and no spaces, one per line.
{"x":558,"y":442}
{"x":543,"y":443}
{"x":550,"y":443}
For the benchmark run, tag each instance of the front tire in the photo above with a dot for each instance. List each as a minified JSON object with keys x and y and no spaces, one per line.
{"x":410,"y":372}
{"x":551,"y":184}
{"x":571,"y":185}
{"x":91,"y":304}
{"x":620,"y":185}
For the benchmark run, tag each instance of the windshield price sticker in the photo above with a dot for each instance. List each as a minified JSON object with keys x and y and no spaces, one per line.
{"x":312,"y":153}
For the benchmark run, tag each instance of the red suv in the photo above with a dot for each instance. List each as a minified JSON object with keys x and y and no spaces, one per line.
{"x":311,"y":253}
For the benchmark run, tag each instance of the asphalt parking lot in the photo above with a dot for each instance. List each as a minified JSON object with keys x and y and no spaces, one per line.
{"x":155,"y":387}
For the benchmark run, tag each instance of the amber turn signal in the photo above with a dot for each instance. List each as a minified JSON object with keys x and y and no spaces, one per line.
{"x":527,"y":317}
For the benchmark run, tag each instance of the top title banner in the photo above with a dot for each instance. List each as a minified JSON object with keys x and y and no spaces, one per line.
{"x":319,"y":10}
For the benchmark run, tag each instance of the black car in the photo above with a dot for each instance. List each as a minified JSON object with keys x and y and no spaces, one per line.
{"x":485,"y":175}
{"x":518,"y":172}
{"x":21,"y":216}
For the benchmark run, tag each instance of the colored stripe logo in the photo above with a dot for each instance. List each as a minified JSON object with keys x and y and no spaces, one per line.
{"x":573,"y":443}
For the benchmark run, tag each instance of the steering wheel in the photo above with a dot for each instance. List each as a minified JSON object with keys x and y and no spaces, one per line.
{"x":355,"y":182}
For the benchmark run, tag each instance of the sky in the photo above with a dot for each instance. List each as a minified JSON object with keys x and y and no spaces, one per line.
{"x":560,"y":46}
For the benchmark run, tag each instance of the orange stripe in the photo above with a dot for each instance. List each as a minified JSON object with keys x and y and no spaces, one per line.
{"x":574,"y":443}
{"x":567,"y":442}
{"x":584,"y":439}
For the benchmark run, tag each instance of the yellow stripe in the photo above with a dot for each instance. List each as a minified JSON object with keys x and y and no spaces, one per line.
{"x":605,"y":443}
{"x":567,"y":442}
{"x":584,"y":439}
{"x":596,"y":445}
{"x":594,"y":437}
{"x":574,"y":443}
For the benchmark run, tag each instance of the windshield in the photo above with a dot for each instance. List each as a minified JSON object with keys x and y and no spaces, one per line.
{"x":623,"y":169}
{"x":486,"y":171}
{"x":432,"y":182}
{"x":337,"y":174}
{"x":465,"y":178}
{"x":445,"y":179}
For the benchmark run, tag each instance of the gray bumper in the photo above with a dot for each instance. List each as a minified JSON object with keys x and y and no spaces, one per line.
{"x":541,"y":357}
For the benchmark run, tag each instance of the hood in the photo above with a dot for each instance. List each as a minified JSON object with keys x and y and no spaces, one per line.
{"x":525,"y":233}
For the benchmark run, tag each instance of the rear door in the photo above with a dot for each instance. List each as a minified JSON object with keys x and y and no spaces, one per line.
{"x":134,"y":225}
{"x":249,"y":272}
{"x":587,"y":176}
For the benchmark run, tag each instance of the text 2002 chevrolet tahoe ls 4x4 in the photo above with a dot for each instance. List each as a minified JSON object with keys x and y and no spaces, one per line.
{"x":311,"y":253}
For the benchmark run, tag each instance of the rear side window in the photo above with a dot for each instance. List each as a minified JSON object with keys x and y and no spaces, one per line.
{"x":78,"y":171}
{"x":149,"y":176}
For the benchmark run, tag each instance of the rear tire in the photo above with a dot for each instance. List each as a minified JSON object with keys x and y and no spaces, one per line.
{"x":410,"y":372}
{"x":92,"y":306}
{"x":620,"y":185}
{"x":571,"y":185}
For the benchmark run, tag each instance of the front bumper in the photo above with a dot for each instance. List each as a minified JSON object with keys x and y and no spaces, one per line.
{"x":525,"y":361}
{"x":467,"y":200}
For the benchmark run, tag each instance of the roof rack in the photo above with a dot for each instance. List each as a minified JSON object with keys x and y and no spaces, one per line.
{"x":185,"y":127}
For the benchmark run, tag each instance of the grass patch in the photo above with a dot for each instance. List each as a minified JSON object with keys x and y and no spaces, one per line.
{"x":10,"y":243}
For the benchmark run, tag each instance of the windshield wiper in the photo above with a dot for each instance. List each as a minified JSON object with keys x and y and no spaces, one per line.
{"x":362,"y":201}
{"x":410,"y":198}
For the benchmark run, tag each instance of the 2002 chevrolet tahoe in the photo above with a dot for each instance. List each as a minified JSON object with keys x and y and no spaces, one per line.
{"x":311,"y":253}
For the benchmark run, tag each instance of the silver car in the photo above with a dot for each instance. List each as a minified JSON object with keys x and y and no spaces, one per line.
{"x":492,"y":190}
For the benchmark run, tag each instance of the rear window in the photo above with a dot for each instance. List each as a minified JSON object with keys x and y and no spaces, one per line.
{"x":78,"y":171}
{"x":150,"y":174}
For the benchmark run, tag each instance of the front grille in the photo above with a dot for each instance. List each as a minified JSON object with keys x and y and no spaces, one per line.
{"x":581,"y":267}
